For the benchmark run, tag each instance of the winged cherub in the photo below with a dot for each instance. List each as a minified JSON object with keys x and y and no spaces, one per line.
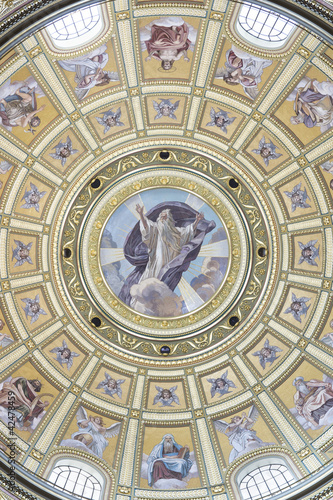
{"x":240,"y":433}
{"x":21,"y":253}
{"x":220,"y":385}
{"x":309,"y":253}
{"x":298,"y":197}
{"x":32,"y":308}
{"x":166,"y":396}
{"x":110,"y":119}
{"x":298,"y":307}
{"x":267,"y":150}
{"x":267,"y":354}
{"x":64,"y":355}
{"x":32,"y":197}
{"x":63,"y":150}
{"x":111,"y":386}
{"x":220,"y":119}
{"x":165,"y":108}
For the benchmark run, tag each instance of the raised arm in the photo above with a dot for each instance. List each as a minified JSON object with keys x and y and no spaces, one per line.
{"x":198,"y":218}
{"x":143,"y":219}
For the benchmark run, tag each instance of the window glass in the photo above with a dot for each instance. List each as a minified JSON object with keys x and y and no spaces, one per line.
{"x":76,"y":28}
{"x":75,"y":480}
{"x":264,"y":480}
{"x":262,"y":26}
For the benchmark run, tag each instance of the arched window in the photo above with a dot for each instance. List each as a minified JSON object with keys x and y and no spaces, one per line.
{"x":264,"y":477}
{"x":264,"y":27}
{"x":76,"y":28}
{"x":78,"y":478}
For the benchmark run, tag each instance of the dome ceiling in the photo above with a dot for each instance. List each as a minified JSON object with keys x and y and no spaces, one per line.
{"x":166,"y":252}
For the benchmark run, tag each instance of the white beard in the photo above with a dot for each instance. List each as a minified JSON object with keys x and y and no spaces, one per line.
{"x":168,"y":447}
{"x":169,"y":234}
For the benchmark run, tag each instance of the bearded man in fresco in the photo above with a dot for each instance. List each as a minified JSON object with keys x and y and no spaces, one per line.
{"x":313,"y":399}
{"x":168,"y":460}
{"x":163,"y":244}
{"x":22,"y":395}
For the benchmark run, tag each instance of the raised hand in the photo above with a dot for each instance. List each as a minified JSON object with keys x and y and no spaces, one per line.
{"x":139,"y":209}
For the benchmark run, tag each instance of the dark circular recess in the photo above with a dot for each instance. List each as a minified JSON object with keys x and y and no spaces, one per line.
{"x":262,"y":252}
{"x":165,"y":350}
{"x":96,"y":321}
{"x":233,"y":320}
{"x":233,"y":183}
{"x":164,"y":155}
{"x":67,"y":252}
{"x":95,"y":183}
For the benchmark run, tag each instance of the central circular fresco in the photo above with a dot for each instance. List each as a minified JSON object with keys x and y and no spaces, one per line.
{"x":180,"y":256}
{"x":153,"y":252}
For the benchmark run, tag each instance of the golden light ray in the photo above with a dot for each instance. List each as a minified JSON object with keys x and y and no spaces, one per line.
{"x":194,"y":202}
{"x":110,"y":255}
{"x":132,"y":203}
{"x":218,"y":249}
{"x":191,"y":298}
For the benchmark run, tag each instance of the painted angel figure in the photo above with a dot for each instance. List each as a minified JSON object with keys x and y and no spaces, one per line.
{"x":328,"y":338}
{"x":267,"y":151}
{"x":220,"y":385}
{"x":313,"y":104}
{"x":88,"y":70}
{"x":267,"y":354}
{"x":168,"y":39}
{"x":64,"y":355}
{"x":111,"y":386}
{"x":243,"y":69}
{"x":5,"y":166}
{"x":298,"y":197}
{"x":21,"y":253}
{"x":32,"y":309}
{"x":5,"y":340}
{"x":328,"y":167}
{"x":309,"y":253}
{"x":18,"y":104}
{"x":240,"y":434}
{"x":63,"y":150}
{"x":166,"y":396}
{"x":32,"y":197}
{"x":110,"y":119}
{"x":220,"y":119}
{"x":298,"y":307}
{"x":92,"y":436}
{"x":165,"y":108}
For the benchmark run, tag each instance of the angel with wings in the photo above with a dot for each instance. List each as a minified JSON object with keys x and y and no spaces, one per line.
{"x":220,"y":119}
{"x":165,"y":108}
{"x":166,"y":396}
{"x":63,"y":150}
{"x":21,"y":253}
{"x":240,"y":433}
{"x":110,"y":119}
{"x":64,"y":355}
{"x":243,"y":69}
{"x":88,"y":70}
{"x":92,"y":435}
{"x":267,"y":150}
{"x":220,"y":385}
{"x":267,"y":354}
{"x":111,"y":386}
